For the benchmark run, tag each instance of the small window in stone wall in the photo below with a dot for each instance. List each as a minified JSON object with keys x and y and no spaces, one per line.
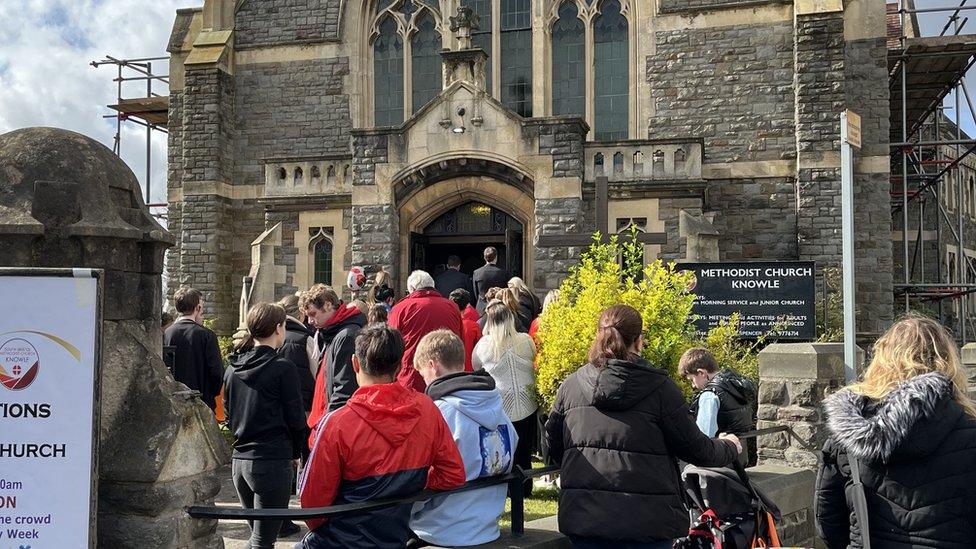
{"x":321,"y":248}
{"x":316,"y":173}
{"x":282,"y":174}
{"x":598,"y":163}
{"x":679,"y":160}
{"x":657,"y":163}
{"x":299,"y":174}
{"x":618,"y":162}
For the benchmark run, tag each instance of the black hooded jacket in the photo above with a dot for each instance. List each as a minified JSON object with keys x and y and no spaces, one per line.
{"x":917,"y":453}
{"x":618,"y":433}
{"x":263,"y":405}
{"x":295,"y":349}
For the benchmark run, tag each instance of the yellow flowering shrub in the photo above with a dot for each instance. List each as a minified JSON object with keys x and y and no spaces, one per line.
{"x":613,"y":273}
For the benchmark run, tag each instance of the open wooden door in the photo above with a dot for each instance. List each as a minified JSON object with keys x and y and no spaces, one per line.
{"x":418,"y":251}
{"x":513,"y":252}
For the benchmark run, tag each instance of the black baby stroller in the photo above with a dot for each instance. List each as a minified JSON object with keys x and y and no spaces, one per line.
{"x":727,"y":511}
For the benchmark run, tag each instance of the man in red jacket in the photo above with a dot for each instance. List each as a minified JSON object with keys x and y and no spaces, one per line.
{"x":387,"y":441}
{"x":417,"y":315}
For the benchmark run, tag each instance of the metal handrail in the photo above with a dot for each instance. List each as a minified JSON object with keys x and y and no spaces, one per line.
{"x":515,"y":481}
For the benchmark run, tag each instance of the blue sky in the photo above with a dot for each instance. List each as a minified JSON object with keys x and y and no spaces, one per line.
{"x":46,"y":80}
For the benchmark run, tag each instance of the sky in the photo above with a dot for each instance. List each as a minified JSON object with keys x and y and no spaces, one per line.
{"x":46,"y":79}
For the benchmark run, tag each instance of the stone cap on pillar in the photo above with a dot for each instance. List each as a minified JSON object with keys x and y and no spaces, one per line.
{"x":804,"y":360}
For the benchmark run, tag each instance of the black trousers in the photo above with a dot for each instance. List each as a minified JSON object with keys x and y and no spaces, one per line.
{"x":528,"y":434}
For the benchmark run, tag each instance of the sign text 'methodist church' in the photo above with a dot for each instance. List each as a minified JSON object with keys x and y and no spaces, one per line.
{"x":306,"y":137}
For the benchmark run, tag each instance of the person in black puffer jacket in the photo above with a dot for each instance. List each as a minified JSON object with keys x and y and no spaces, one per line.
{"x":912,"y":429}
{"x":618,"y":427}
{"x":299,"y":348}
{"x":263,"y":407}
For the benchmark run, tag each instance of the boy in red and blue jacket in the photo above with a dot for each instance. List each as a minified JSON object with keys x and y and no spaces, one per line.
{"x":387,"y":441}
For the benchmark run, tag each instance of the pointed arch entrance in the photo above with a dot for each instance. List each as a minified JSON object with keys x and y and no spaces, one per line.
{"x":461,"y":216}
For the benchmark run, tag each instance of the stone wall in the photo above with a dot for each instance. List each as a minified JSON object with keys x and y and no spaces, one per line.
{"x":280,"y":22}
{"x":207,"y":256}
{"x":207,"y":126}
{"x":287,"y":110}
{"x":563,"y":140}
{"x":756,"y":217}
{"x":368,"y":151}
{"x":555,"y":216}
{"x":731,"y":86}
{"x":375,"y":242}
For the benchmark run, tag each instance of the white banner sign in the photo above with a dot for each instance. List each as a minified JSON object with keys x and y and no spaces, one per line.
{"x":48,"y":353}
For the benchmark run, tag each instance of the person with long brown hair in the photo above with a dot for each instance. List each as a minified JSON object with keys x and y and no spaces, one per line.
{"x":263,"y":406}
{"x":617,"y":428}
{"x":909,"y":428}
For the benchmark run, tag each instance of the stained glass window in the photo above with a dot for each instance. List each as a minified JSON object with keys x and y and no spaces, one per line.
{"x":426,"y":60}
{"x":323,"y":261}
{"x":568,"y":63}
{"x":612,"y":75}
{"x":388,"y":75}
{"x":516,"y":56}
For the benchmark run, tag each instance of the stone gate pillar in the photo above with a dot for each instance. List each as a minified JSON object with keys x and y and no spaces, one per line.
{"x":794,"y":378}
{"x":68,"y":201}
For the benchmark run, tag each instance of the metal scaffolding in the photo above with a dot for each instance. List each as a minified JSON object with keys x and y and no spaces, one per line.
{"x":150,"y":110}
{"x":926,"y":157}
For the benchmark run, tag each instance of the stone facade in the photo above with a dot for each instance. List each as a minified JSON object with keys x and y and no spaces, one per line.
{"x":733,"y":117}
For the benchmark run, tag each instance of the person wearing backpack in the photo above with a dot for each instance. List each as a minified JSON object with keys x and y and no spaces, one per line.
{"x":898,"y":462}
{"x":726,"y":401}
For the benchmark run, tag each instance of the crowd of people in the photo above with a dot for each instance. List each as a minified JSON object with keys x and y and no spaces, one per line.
{"x":383,"y":398}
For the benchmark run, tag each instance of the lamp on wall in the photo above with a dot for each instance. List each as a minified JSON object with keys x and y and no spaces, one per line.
{"x":459,"y":129}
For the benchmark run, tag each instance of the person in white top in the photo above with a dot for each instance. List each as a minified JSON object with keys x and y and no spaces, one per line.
{"x":508,"y":356}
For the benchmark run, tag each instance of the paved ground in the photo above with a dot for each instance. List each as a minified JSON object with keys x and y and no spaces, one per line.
{"x":236,"y":533}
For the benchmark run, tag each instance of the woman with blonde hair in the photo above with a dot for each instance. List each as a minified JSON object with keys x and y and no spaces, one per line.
{"x":507,"y":356}
{"x":906,"y":434}
{"x":381,"y":291}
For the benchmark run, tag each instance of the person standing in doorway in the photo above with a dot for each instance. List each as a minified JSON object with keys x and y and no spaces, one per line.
{"x":198,"y":364}
{"x":488,"y":276}
{"x":263,"y":405}
{"x":452,"y":279}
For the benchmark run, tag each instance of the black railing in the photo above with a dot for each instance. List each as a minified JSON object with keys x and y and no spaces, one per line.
{"x":515,"y":481}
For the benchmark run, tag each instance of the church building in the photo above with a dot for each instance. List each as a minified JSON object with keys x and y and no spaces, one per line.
{"x":307,"y":136}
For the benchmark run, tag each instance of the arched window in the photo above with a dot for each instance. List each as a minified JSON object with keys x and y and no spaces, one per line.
{"x":425,"y":56}
{"x":388,"y":75}
{"x":516,"y":55}
{"x":322,"y":258}
{"x":611,"y":58}
{"x":568,"y":62}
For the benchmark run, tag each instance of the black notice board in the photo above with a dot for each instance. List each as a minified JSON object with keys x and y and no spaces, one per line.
{"x":767,"y":295}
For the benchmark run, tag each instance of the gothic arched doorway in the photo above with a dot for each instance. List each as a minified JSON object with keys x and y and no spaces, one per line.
{"x":461,"y":216}
{"x":465,"y":231}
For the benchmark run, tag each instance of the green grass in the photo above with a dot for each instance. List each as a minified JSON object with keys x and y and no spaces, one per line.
{"x":543,"y":503}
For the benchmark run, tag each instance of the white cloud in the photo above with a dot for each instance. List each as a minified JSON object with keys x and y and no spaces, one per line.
{"x":46,"y":80}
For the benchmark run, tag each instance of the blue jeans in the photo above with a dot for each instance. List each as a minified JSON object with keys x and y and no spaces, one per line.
{"x":580,"y":542}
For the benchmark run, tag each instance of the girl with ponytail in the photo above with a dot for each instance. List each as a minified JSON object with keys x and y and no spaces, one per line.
{"x":618,"y":428}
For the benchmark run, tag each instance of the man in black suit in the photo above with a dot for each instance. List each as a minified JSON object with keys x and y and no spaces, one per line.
{"x":452,"y":278}
{"x":487,"y":277}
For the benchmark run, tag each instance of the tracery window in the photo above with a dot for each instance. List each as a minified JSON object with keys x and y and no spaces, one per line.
{"x":320,"y":246}
{"x":406,"y":44}
{"x":590,"y":59}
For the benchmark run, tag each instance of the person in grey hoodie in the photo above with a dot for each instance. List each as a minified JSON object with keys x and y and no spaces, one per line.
{"x":263,"y":407}
{"x":485,"y":437}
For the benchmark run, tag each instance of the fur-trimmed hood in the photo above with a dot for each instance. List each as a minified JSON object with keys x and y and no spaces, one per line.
{"x":912,"y":419}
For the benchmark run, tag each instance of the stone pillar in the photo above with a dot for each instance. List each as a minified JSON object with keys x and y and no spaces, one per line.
{"x":71,"y":202}
{"x":375,"y":223}
{"x":969,"y":362}
{"x":794,"y":378}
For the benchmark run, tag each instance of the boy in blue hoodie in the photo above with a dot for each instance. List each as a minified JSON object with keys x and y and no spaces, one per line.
{"x":485,"y":438}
